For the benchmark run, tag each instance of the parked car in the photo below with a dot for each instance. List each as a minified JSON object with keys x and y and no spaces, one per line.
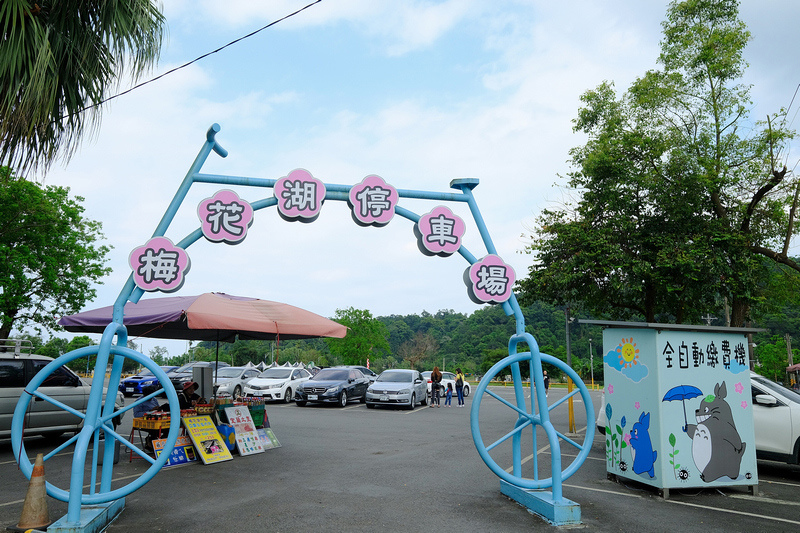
{"x":601,"y":421}
{"x":776,"y":420}
{"x":232,"y":379}
{"x":397,"y":387}
{"x":333,"y":385}
{"x":369,"y":374}
{"x":277,"y":383}
{"x":17,"y":368}
{"x":447,"y":377}
{"x":135,"y":384}
{"x":181,"y":375}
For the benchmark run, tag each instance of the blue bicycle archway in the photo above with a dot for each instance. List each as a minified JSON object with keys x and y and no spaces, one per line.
{"x":161,"y":265}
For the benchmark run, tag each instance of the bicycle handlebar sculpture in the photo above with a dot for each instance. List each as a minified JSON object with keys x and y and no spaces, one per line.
{"x":160,"y":265}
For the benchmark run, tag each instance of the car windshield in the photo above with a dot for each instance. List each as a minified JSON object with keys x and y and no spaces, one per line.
{"x":780,"y":389}
{"x":276,"y":373}
{"x":396,"y":377}
{"x":185,"y":368}
{"x":229,"y":372}
{"x":331,"y":374}
{"x":144,"y":373}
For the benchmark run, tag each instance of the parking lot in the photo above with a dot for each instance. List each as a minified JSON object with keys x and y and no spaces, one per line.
{"x":359,"y":469}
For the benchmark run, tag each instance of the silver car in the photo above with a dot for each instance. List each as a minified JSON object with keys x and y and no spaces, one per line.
{"x":17,"y":368}
{"x":398,"y":387}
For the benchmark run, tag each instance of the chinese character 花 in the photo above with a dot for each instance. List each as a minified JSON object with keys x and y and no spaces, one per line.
{"x":225,"y":217}
{"x":159,"y":265}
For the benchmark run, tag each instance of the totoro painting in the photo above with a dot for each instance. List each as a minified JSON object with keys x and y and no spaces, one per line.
{"x":678,"y":406}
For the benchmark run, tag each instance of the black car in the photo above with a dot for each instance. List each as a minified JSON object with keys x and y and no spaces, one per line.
{"x":183,"y":374}
{"x":333,"y":385}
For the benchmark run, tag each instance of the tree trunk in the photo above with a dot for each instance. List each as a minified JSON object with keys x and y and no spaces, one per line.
{"x":740,"y":310}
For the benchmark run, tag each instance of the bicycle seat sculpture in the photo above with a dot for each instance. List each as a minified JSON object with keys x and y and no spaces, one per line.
{"x":161,"y":265}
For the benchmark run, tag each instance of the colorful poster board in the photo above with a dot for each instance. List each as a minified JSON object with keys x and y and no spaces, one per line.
{"x":206,"y":439}
{"x":183,"y":452}
{"x":268,"y":439}
{"x":679,"y":407}
{"x":247,"y":439}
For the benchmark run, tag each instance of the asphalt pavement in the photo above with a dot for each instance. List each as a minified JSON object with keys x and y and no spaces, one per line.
{"x":356,"y":469}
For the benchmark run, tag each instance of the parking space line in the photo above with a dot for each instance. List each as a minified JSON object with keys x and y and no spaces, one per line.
{"x":731,"y":511}
{"x":15,"y":502}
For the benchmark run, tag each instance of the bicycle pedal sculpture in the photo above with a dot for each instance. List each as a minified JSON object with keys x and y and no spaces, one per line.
{"x":161,"y":265}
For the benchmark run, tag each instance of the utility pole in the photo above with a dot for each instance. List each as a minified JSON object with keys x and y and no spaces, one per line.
{"x":571,"y":408}
{"x":591,"y":362}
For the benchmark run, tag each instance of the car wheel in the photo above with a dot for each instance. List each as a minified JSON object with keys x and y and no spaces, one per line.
{"x":413,"y":403}
{"x":288,"y":396}
{"x":364,"y":398}
{"x":237,"y":392}
{"x":300,"y":404}
{"x":466,"y":391}
{"x":343,"y":399}
{"x":370,"y":406}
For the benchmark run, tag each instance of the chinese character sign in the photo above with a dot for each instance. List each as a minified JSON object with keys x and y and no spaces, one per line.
{"x":300,"y":196}
{"x":159,"y":265}
{"x":678,"y":406}
{"x":439,"y":232}
{"x":373,"y":201}
{"x":225,"y":217}
{"x":490,"y":280}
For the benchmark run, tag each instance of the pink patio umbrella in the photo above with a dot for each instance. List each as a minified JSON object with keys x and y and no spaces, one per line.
{"x":211,"y":316}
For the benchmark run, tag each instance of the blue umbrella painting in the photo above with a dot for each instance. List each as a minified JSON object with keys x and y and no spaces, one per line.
{"x":682,"y":393}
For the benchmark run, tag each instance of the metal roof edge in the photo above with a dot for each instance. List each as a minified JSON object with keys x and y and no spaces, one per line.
{"x":669,"y":327}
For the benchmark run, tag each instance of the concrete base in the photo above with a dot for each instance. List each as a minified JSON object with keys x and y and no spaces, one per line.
{"x":559,"y":513}
{"x":94,"y":518}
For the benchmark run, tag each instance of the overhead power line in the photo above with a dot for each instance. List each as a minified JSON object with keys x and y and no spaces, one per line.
{"x":167,"y":73}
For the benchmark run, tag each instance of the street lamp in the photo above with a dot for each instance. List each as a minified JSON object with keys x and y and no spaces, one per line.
{"x":591,"y":362}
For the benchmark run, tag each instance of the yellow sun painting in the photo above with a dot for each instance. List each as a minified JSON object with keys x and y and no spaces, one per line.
{"x":628,"y":353}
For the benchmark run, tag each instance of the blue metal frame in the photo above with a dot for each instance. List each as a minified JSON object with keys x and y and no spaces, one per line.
{"x":100,"y":411}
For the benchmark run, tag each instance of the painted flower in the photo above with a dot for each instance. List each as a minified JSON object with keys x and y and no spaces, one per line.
{"x":637,"y":405}
{"x":611,"y":389}
{"x":739,"y":387}
{"x":744,"y":404}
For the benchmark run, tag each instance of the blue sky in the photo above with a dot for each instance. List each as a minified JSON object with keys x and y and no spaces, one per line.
{"x":418,"y":92}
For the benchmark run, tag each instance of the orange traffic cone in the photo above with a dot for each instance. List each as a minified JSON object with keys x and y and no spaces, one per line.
{"x":34,"y":510}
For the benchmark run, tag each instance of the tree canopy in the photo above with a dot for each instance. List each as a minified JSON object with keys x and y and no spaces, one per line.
{"x":50,"y":254}
{"x":366,"y":337}
{"x":58,"y":58}
{"x":683,"y":204}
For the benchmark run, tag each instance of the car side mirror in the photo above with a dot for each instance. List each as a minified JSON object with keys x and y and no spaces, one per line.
{"x":767,"y":400}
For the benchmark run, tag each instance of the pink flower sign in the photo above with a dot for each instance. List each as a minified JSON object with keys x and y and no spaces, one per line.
{"x":439,"y":232}
{"x":490,"y":280}
{"x":373,"y":201}
{"x":159,"y":265}
{"x":225,"y":217}
{"x":300,"y":196}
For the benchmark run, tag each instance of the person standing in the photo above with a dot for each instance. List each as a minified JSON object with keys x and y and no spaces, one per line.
{"x":436,"y":381}
{"x":460,"y":387}
{"x":449,"y":395}
{"x":546,"y":383}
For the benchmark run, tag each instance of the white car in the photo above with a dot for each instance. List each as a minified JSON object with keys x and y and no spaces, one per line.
{"x":277,"y":383}
{"x":232,"y":379}
{"x":776,"y":420}
{"x":447,"y":377}
{"x":397,"y":387}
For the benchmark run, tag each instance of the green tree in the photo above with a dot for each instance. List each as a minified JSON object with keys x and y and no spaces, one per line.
{"x":367,"y":337}
{"x":683,"y":202}
{"x":159,"y":355}
{"x":773,"y":359}
{"x":51,"y":259}
{"x":59,"y":59}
